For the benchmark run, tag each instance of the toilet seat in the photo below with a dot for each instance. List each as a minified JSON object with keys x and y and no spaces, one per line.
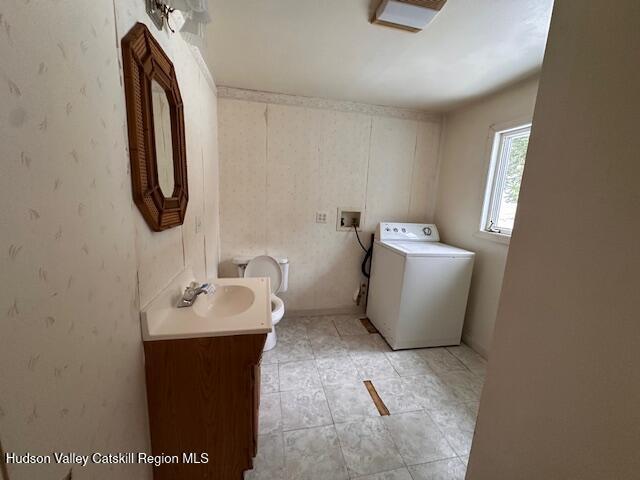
{"x":265,"y":266}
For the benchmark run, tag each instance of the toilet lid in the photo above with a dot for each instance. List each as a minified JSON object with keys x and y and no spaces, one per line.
{"x":265,"y":266}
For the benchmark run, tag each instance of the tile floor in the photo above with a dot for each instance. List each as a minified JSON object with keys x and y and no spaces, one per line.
{"x":317,"y":420}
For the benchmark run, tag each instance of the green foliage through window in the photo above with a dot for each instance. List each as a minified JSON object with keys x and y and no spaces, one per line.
{"x":515,"y":167}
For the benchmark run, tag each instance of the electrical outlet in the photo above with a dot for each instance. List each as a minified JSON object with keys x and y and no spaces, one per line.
{"x":321,"y":217}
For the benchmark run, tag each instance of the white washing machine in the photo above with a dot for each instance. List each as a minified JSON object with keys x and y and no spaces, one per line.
{"x":418,"y":287}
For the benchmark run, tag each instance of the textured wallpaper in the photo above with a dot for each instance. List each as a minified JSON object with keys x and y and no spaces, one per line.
{"x":282,"y":162}
{"x":76,"y":258}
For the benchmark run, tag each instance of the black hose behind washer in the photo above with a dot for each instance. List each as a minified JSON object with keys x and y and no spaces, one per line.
{"x":367,"y":256}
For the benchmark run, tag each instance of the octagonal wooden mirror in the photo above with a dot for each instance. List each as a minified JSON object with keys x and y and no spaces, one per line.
{"x":155,"y":121}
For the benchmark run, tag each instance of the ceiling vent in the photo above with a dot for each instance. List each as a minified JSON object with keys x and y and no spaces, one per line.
{"x":409,"y":15}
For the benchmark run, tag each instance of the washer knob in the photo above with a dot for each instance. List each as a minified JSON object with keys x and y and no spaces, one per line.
{"x":395,"y":229}
{"x":426,"y":231}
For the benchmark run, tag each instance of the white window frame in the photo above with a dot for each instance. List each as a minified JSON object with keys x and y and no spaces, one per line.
{"x":494,"y":179}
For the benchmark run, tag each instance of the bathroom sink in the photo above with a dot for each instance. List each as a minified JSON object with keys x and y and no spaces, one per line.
{"x":229,"y":300}
{"x":238,"y":306}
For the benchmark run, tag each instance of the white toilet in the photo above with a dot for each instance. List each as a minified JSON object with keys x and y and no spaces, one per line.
{"x":277,"y":269}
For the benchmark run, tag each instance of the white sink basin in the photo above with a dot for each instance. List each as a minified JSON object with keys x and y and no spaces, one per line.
{"x":227,"y":301}
{"x":239,"y":306}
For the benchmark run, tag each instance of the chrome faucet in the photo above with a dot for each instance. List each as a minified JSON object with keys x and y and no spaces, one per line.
{"x":192,"y":291}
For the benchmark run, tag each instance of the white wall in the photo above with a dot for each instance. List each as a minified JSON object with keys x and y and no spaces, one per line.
{"x":562,"y":391}
{"x":283,"y":158}
{"x":73,"y":244}
{"x":464,"y":164}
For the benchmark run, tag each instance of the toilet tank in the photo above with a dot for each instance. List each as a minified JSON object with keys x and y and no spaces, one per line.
{"x":241,"y":264}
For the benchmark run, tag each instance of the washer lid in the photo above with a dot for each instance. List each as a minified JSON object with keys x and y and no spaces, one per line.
{"x":265,"y":266}
{"x":426,"y":249}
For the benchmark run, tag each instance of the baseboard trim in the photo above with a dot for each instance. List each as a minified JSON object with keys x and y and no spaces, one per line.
{"x":314,"y":312}
{"x":477,"y":347}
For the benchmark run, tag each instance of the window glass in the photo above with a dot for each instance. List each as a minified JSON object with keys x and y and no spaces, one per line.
{"x":509,"y":154}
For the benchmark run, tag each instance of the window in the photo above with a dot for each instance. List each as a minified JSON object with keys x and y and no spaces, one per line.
{"x":503,"y":181}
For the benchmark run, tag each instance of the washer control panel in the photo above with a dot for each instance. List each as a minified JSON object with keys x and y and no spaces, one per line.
{"x":421,"y":232}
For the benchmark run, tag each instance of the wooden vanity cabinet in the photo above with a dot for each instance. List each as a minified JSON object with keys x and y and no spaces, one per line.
{"x":204,"y":397}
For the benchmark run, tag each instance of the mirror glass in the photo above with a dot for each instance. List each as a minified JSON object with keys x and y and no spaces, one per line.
{"x":164,"y":146}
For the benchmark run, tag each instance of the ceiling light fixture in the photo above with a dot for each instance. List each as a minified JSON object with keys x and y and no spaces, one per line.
{"x":192,"y":23}
{"x":409,"y":15}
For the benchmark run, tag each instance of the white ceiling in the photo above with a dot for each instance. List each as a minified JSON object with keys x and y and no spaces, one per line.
{"x":328,"y":48}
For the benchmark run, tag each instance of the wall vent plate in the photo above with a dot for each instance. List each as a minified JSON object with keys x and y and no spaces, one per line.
{"x":348,"y":218}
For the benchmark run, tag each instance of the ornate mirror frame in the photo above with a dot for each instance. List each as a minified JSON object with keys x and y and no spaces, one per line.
{"x":144,"y":61}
